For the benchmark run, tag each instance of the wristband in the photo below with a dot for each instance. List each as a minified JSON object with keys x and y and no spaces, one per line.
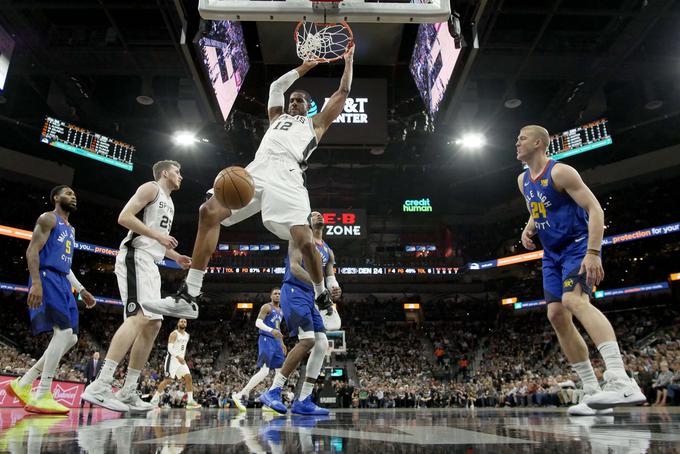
{"x":593,"y":252}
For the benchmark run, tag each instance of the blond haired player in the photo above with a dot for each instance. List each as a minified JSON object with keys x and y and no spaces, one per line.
{"x":280,"y":193}
{"x":569,"y":221}
{"x":148,"y":215}
{"x":176,"y":364}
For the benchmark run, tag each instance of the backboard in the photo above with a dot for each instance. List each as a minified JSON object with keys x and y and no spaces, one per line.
{"x":394,"y":11}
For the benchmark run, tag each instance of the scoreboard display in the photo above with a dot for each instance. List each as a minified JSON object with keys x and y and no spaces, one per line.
{"x":579,"y":140}
{"x":80,"y":141}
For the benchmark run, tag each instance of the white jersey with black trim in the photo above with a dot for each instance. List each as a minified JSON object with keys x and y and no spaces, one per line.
{"x":181,"y":342}
{"x":157,"y":215}
{"x":289,"y":137}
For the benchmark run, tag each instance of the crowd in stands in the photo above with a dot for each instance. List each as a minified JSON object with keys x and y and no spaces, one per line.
{"x":501,"y":360}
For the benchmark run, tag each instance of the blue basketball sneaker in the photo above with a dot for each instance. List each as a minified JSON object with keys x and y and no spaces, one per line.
{"x":307,"y":407}
{"x":272,"y":399}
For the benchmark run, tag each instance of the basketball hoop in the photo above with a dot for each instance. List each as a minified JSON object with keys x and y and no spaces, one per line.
{"x":323,"y":41}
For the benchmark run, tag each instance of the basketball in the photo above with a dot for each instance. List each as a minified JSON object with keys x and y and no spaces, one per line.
{"x":234,"y":187}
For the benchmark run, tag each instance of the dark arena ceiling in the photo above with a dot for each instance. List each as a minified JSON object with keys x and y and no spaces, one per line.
{"x":569,"y":62}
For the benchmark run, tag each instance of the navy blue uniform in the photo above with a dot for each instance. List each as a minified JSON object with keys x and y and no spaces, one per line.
{"x":297,"y":299}
{"x":562,"y":227}
{"x":270,"y":348}
{"x":59,"y":306}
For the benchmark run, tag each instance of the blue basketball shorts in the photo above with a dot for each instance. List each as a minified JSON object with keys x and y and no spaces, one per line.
{"x":59,"y":306}
{"x":561,"y":271}
{"x":270,"y":352}
{"x":299,"y":311}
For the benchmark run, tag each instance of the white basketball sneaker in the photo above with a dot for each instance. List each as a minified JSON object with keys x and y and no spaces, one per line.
{"x":616,"y":392}
{"x":100,"y":393}
{"x":179,"y":305}
{"x":582,"y":408}
{"x":133,"y":401}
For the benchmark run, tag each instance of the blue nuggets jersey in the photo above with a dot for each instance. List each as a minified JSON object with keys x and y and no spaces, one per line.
{"x":272,"y":320}
{"x":559,"y":220}
{"x":57,"y":254}
{"x":289,"y":278}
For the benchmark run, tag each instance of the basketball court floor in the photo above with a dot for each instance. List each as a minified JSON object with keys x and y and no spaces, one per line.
{"x":525,"y":430}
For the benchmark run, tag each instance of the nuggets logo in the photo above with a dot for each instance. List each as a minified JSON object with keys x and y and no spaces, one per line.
{"x":568,"y":283}
{"x":544,"y":182}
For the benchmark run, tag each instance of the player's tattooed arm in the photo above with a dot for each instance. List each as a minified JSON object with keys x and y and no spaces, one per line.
{"x":43,"y":227}
{"x":336,"y":104}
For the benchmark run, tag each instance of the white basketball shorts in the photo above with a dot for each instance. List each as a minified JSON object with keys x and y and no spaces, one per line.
{"x":280,"y":195}
{"x":138,"y":280}
{"x":173,"y":368}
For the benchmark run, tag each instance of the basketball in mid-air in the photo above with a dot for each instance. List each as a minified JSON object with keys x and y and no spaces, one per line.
{"x":234,"y":187}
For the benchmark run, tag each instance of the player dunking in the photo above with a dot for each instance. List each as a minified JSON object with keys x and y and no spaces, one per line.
{"x":271,"y":349}
{"x":570,"y":223}
{"x":176,"y":365}
{"x":280,"y":193}
{"x":147,"y":242}
{"x":304,"y":320}
{"x":50,"y":301}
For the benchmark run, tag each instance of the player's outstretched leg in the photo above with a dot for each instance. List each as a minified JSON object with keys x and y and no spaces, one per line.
{"x":139,"y":354}
{"x":42,"y":401}
{"x":272,"y":398}
{"x":619,"y":388}
{"x":304,"y":404}
{"x":189,"y":386}
{"x":99,"y":391}
{"x":184,"y":304}
{"x":255,"y":380}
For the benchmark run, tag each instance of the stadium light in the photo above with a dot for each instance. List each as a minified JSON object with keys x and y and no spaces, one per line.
{"x":471,"y":141}
{"x":184,"y":138}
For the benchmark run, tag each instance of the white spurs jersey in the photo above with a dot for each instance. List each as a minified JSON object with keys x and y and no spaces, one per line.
{"x":288,"y":136}
{"x":157,"y":215}
{"x":181,"y":342}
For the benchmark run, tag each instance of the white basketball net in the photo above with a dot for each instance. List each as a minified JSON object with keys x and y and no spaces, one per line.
{"x":322,"y":42}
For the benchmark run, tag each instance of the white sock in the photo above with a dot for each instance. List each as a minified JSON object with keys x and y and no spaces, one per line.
{"x":612,"y":358}
{"x":194,"y":281}
{"x":254,"y":381}
{"x":587,"y":374}
{"x":33,"y":373}
{"x":190,"y":396}
{"x":131,"y":380}
{"x":279,"y":381}
{"x":62,"y":341}
{"x":307,"y":389}
{"x":319,"y":288}
{"x":107,"y":371}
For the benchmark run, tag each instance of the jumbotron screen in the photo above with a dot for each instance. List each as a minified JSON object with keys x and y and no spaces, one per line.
{"x":225,"y":59}
{"x":434,"y":58}
{"x":69,"y":137}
